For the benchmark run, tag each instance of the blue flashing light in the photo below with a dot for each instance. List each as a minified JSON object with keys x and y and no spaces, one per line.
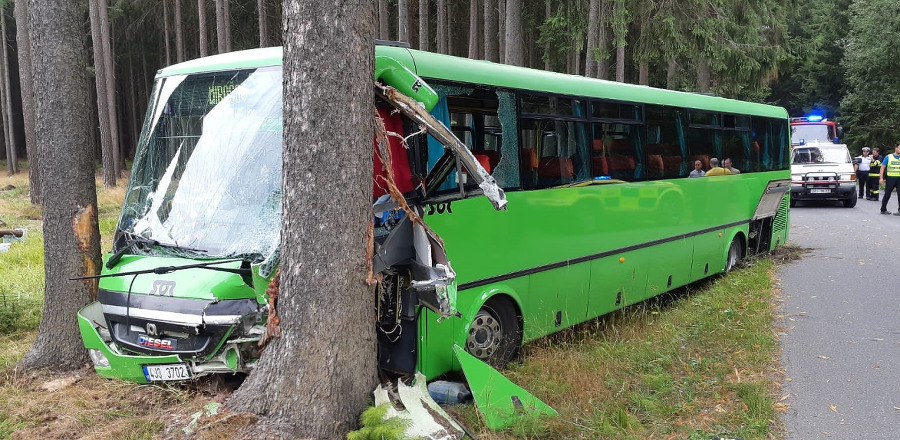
{"x":814,"y":118}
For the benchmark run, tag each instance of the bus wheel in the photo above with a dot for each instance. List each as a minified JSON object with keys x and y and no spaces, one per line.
{"x":494,"y":335}
{"x":735,"y":254}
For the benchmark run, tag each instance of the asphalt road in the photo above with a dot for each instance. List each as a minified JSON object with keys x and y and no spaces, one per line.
{"x":841,"y":338}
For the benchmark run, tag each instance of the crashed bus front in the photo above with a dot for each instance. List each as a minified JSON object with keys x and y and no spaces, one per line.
{"x":184,"y":291}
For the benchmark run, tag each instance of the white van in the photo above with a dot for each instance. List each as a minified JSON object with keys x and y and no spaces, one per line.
{"x":823,"y":171}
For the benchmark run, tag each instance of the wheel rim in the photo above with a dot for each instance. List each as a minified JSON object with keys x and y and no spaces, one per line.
{"x":485,"y":335}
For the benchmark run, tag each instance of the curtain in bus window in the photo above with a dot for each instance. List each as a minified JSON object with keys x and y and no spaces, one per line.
{"x":679,"y":127}
{"x":637,"y":136}
{"x":780,"y":141}
{"x":751,"y":156}
{"x":717,"y":142}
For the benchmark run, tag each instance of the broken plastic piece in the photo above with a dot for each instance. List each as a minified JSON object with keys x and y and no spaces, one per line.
{"x":427,"y":419}
{"x":501,"y":402}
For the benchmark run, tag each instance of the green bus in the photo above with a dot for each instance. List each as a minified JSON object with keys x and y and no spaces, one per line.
{"x":601,"y":212}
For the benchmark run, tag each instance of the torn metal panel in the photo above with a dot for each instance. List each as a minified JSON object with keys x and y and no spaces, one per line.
{"x":411,"y":109}
{"x":426,"y":418}
{"x":501,"y":402}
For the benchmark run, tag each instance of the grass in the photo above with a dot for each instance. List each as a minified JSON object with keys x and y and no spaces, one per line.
{"x":695,"y":364}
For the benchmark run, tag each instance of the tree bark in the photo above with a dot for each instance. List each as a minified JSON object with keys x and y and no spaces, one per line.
{"x":384,"y":27}
{"x":590,"y":62}
{"x":110,"y":72}
{"x":201,"y":26}
{"x":620,"y":62}
{"x":109,"y":168}
{"x":12,"y":159}
{"x":165,"y":19}
{"x":179,"y":33}
{"x":315,"y":380}
{"x":490,"y":31}
{"x":263,"y":23}
{"x":403,"y":20}
{"x":220,"y":26}
{"x":501,"y":30}
{"x":474,"y":35}
{"x":603,"y":40}
{"x":644,"y":73}
{"x":71,"y":235}
{"x":441,"y":34}
{"x":23,"y":41}
{"x":671,"y":74}
{"x":702,"y":76}
{"x":226,"y":11}
{"x":514,"y":53}
{"x":424,"y":35}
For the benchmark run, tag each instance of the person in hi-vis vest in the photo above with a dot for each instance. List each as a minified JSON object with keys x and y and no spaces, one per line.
{"x":890,"y":177}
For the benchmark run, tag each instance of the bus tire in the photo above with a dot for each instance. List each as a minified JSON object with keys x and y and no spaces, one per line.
{"x":495,"y":334}
{"x":735,"y":254}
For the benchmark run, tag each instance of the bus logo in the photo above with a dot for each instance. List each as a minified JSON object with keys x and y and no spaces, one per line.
{"x":163,"y":288}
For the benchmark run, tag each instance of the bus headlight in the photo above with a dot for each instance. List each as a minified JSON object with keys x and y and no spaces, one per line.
{"x":98,"y":358}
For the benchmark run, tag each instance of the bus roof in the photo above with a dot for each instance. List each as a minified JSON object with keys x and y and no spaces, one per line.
{"x":430,"y":65}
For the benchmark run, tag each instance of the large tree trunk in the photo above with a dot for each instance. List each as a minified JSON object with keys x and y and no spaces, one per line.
{"x":23,"y":40}
{"x":620,"y":62}
{"x":490,"y":30}
{"x":514,"y":42}
{"x":603,"y":40}
{"x":263,"y":23}
{"x":424,"y":35}
{"x":474,"y":35}
{"x":109,"y":167}
{"x":71,"y":235}
{"x":702,"y":76}
{"x":165,"y":19}
{"x":315,"y":380}
{"x":590,"y":62}
{"x":403,"y":20}
{"x":644,"y":73}
{"x":501,"y":30}
{"x":179,"y":33}
{"x":12,"y":159}
{"x":672,"y":74}
{"x":110,"y":72}
{"x":226,"y":11}
{"x":220,"y":26}
{"x":201,"y":26}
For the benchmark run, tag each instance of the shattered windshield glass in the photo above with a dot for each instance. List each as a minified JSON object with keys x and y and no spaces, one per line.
{"x":207,"y":171}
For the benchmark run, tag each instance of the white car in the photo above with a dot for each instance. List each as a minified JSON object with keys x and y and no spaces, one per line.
{"x":823,"y":171}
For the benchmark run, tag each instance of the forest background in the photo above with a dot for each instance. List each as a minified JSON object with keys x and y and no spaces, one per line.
{"x":833,"y":57}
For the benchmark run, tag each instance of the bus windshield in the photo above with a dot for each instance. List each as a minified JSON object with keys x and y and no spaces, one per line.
{"x":207,"y":171}
{"x":809,"y":133}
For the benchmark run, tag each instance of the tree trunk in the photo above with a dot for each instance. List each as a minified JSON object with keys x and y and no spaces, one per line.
{"x":71,"y":235}
{"x":166,"y":38}
{"x":490,"y":30}
{"x":23,"y":41}
{"x":474,"y":35}
{"x":384,"y":28}
{"x":226,"y":11}
{"x":590,"y":62}
{"x":424,"y":35}
{"x":671,"y":74}
{"x":220,"y":25}
{"x":109,"y":168}
{"x":403,"y":20}
{"x":501,"y":30}
{"x":110,"y":71}
{"x":263,"y":23}
{"x":179,"y":34}
{"x":514,"y":53}
{"x":201,"y":25}
{"x":620,"y":62}
{"x":548,"y":11}
{"x":603,"y":40}
{"x":442,"y":27}
{"x":315,"y":380}
{"x":703,"y":76}
{"x":12,"y":159}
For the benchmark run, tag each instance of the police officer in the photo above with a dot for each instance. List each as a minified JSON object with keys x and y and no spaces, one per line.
{"x":874,"y":173}
{"x":890,"y":177}
{"x":861,"y":165}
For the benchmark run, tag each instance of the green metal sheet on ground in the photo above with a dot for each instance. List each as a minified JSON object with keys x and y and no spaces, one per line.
{"x":500,"y":401}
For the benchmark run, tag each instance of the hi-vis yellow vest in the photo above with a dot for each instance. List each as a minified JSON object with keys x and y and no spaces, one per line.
{"x":893,"y":166}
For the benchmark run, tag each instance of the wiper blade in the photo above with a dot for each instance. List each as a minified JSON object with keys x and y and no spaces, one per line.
{"x":137,"y":239}
{"x":161,"y":270}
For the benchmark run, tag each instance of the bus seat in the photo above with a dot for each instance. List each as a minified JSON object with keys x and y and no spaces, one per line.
{"x":556,"y":167}
{"x":621,"y":163}
{"x":597,"y":146}
{"x":399,"y":158}
{"x":656,"y":165}
{"x":658,"y":149}
{"x":621,"y":146}
{"x":484,"y":161}
{"x":492,"y":156}
{"x":601,"y":166}
{"x":529,"y":159}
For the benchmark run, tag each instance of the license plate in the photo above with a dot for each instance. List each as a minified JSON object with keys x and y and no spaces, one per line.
{"x":820,"y":191}
{"x":156,"y":373}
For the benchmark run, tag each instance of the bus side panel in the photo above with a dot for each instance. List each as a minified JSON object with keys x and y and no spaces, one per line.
{"x":556,"y":299}
{"x":708,"y":250}
{"x":436,"y":339}
{"x":616,"y":281}
{"x":669,"y":267}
